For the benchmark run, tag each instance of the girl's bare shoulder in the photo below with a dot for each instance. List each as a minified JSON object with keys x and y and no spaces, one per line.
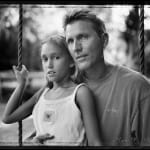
{"x":83,"y":92}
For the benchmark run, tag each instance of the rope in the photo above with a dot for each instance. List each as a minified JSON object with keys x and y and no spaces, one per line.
{"x":20,"y":63}
{"x":141,"y":29}
{"x":20,"y":38}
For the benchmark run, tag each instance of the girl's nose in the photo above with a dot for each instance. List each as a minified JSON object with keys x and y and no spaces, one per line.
{"x":50,"y":63}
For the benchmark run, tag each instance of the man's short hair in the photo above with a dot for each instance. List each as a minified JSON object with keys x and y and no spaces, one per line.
{"x":85,"y":15}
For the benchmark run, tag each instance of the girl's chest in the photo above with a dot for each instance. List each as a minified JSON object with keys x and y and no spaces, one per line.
{"x":59,"y":94}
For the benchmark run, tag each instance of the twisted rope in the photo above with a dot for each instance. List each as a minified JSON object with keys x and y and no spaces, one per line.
{"x":141,"y":35}
{"x":20,"y":38}
{"x":20,"y":63}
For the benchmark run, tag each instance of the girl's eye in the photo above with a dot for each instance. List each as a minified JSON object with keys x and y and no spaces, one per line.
{"x":44,"y":59}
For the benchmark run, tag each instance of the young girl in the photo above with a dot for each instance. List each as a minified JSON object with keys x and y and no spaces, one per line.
{"x":63,"y":111}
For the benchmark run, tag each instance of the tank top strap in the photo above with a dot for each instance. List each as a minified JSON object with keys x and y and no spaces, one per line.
{"x":46,"y":89}
{"x":77,"y":87}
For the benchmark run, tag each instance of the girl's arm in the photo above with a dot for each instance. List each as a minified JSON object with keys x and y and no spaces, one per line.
{"x":86,"y":103}
{"x":13,"y":112}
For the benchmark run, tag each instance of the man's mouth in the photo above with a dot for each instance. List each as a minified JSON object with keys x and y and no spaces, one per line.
{"x":81,"y":57}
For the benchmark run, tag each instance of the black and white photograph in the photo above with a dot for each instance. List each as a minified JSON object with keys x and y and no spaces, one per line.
{"x":74,"y":75}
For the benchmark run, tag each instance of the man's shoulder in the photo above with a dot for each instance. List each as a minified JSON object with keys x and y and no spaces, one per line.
{"x":132,"y":76}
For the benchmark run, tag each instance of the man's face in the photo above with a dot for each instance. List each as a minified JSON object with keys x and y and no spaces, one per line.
{"x":84,"y":44}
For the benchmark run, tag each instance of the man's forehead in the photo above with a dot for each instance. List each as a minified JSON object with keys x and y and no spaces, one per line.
{"x":78,"y":27}
{"x":80,"y":23}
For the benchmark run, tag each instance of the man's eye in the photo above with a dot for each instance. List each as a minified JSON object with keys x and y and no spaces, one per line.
{"x":69,"y":41}
{"x":83,"y":37}
{"x":57,"y":57}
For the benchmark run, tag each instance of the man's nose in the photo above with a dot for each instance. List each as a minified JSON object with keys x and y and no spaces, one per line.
{"x":77,"y":46}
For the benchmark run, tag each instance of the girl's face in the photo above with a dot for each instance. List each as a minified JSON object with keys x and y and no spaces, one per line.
{"x":56,"y":62}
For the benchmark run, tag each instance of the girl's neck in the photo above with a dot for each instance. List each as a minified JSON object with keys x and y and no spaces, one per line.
{"x":60,"y":85}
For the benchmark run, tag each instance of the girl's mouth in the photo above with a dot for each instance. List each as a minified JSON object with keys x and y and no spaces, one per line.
{"x":51,"y":72}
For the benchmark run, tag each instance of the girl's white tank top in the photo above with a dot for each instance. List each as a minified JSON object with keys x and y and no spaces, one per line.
{"x":60,"y":118}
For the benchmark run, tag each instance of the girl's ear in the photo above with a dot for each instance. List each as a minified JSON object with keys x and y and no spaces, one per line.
{"x":71,"y":65}
{"x":72,"y":68}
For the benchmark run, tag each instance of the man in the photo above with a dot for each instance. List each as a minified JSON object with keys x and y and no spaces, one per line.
{"x":122,"y":95}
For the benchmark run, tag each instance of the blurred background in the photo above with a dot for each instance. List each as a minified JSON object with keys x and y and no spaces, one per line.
{"x":122,"y":23}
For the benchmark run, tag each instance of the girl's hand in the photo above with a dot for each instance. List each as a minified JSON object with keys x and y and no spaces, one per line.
{"x":22,"y":75}
{"x":42,"y":138}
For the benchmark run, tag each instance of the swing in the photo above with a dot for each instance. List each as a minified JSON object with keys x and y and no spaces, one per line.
{"x":141,"y":51}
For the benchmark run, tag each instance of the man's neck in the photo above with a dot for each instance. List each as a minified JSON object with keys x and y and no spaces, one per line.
{"x":96,"y":72}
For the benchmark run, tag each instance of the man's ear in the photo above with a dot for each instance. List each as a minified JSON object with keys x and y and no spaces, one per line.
{"x":105,"y":40}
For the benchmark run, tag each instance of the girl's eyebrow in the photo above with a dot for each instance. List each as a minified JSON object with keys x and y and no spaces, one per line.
{"x":52,"y":54}
{"x":56,"y":53}
{"x":43,"y":55}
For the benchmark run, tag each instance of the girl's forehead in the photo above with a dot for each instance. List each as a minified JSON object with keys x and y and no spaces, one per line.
{"x":51,"y":48}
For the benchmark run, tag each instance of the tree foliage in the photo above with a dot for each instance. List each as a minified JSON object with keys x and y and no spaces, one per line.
{"x":131,"y":35}
{"x":9,"y":39}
